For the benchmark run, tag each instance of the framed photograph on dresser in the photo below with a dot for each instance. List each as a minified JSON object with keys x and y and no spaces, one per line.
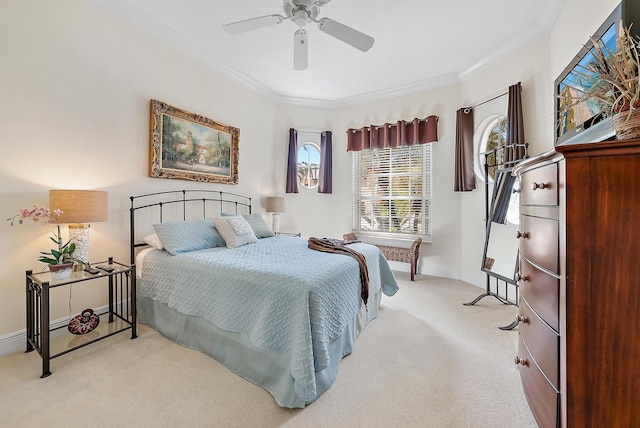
{"x":189,"y":146}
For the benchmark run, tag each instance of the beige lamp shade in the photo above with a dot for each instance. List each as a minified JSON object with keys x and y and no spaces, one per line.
{"x":79,"y":206}
{"x":275,"y":204}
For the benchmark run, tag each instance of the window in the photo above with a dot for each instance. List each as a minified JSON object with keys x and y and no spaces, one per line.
{"x":392,"y":191}
{"x":308,"y":165}
{"x":491,"y":134}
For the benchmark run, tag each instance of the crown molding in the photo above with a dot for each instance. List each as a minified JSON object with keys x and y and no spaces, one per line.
{"x":547,"y":15}
{"x":138,"y":20}
{"x":548,"y":12}
{"x":381,"y":95}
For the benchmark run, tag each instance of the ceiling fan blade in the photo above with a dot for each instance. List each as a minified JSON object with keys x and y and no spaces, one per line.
{"x":347,"y":34}
{"x":300,"y":50}
{"x":239,"y":27}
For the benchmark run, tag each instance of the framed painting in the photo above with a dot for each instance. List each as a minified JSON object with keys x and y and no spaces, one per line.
{"x":188,"y":146}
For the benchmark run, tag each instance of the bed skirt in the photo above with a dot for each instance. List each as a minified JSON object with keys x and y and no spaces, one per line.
{"x":266,"y":368}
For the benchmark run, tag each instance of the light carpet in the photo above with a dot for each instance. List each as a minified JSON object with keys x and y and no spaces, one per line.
{"x":426,"y":361}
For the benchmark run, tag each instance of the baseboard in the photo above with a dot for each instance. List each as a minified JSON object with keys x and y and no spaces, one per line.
{"x":472,"y":279}
{"x":429,"y":271}
{"x":13,"y":342}
{"x":438,"y":271}
{"x":477,"y":279}
{"x":17,"y":341}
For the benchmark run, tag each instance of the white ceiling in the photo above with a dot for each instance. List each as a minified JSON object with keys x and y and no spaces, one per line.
{"x":418,"y":43}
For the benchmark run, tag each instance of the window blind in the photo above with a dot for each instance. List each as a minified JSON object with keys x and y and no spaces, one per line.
{"x":392,"y":191}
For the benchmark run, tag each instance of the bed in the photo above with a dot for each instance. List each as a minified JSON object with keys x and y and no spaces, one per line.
{"x":271,"y":310}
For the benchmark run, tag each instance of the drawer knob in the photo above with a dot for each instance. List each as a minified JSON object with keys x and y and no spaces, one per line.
{"x":522,"y":361}
{"x":522,"y":319}
{"x":522,"y":234}
{"x":535,"y":186}
{"x":521,"y":277}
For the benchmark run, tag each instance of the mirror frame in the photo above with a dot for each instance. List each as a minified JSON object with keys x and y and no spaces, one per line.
{"x":502,"y":191}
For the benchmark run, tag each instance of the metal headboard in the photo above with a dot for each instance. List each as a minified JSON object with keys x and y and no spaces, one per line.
{"x":189,"y":200}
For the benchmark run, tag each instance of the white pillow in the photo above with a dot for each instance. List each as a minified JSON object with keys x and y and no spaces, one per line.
{"x":235,"y":231}
{"x":154,"y":241}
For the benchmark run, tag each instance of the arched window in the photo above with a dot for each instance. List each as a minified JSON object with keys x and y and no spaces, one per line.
{"x":308,"y":165}
{"x":491,"y":133}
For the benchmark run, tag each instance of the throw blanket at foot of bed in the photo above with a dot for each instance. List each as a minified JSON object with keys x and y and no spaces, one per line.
{"x":336,"y":246}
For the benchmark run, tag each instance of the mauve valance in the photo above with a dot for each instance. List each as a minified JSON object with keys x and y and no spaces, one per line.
{"x":401,"y":133}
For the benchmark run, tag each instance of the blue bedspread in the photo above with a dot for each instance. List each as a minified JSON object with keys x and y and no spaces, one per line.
{"x":282,"y":294}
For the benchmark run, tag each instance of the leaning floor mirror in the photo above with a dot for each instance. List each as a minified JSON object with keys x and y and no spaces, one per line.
{"x":500,"y":258}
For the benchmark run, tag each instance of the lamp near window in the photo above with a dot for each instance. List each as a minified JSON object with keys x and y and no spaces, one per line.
{"x":275,"y":205}
{"x":79,"y":207}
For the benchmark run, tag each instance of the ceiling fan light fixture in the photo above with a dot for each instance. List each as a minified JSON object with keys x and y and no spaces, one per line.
{"x":301,"y":12}
{"x":300,"y":17}
{"x":300,"y":50}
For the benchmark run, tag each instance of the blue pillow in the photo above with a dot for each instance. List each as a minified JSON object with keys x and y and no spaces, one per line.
{"x":257,"y":223}
{"x":182,"y":236}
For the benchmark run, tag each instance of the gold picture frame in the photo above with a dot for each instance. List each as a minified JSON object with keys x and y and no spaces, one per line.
{"x":188,"y":146}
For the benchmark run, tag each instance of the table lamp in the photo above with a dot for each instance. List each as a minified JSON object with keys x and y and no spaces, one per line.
{"x":275,"y":205}
{"x":79,"y":207}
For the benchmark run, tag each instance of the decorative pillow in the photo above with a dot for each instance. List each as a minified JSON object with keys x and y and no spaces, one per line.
{"x":235,"y":230}
{"x":182,"y":236}
{"x":153,"y":240}
{"x":257,"y":223}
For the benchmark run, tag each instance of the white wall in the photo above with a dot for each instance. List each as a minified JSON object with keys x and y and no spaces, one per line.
{"x":75,"y":85}
{"x":330,"y":215}
{"x":440,"y":258}
{"x":578,"y":20}
{"x":309,"y":212}
{"x":536,"y":66}
{"x":529,"y":66}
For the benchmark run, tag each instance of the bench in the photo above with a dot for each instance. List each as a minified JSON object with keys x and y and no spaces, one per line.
{"x":397,"y":254}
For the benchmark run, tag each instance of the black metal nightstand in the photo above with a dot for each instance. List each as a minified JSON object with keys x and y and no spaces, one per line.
{"x":120,"y":316}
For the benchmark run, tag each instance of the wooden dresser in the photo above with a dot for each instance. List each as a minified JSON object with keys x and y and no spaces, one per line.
{"x":579,"y":281}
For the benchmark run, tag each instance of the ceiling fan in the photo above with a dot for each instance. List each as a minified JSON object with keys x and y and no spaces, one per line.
{"x":301,"y":12}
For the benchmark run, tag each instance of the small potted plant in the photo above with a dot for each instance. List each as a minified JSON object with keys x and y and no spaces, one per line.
{"x":614,"y":82}
{"x":60,"y":260}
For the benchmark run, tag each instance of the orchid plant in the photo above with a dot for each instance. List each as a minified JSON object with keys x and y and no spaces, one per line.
{"x":40,"y":214}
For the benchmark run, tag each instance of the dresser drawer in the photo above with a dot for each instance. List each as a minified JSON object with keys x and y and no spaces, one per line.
{"x":539,"y":241}
{"x":542,"y":397}
{"x":540,"y":186}
{"x":542,"y":342}
{"x":541,"y":291}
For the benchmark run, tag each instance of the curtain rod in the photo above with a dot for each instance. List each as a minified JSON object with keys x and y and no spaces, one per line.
{"x":382,"y":126}
{"x":468,"y":109}
{"x":310,"y":132}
